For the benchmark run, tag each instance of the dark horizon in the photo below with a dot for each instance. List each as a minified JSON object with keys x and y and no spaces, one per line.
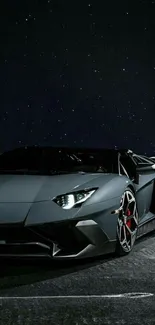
{"x":76,"y":148}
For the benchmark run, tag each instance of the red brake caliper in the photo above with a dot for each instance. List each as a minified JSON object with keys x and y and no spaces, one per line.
{"x":128,"y":215}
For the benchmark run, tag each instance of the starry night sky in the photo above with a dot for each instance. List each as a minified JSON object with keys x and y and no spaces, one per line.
{"x":78,"y":73}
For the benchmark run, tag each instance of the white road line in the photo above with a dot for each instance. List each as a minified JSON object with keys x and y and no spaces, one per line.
{"x":132,"y":295}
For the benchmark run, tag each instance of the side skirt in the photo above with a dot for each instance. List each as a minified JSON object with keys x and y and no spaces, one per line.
{"x":146,"y":227}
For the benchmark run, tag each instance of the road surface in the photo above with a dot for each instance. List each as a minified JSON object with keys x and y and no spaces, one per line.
{"x":105,"y":291}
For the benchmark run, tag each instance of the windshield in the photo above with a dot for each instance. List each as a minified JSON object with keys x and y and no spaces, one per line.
{"x":48,"y":161}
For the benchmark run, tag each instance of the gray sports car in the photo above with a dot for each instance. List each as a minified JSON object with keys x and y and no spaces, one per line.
{"x":74,"y":203}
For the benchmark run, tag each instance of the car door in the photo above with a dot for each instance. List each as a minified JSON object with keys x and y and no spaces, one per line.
{"x":142,"y":174}
{"x":146,"y":176}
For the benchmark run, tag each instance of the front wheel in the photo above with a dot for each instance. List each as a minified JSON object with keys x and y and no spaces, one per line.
{"x":127,"y":224}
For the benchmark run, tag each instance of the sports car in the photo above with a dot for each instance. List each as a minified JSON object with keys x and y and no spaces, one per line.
{"x":73,"y":203}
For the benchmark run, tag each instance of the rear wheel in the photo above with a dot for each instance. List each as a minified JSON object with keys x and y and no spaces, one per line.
{"x":127,"y":224}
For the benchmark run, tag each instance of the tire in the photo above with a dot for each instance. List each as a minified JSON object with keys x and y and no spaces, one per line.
{"x":127,"y":224}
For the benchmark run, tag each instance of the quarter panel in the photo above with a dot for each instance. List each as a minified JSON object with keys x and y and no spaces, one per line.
{"x":144,"y":191}
{"x":114,"y":188}
{"x":102,"y":214}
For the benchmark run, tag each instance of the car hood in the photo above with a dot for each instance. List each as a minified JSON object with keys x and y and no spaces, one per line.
{"x":36,"y":188}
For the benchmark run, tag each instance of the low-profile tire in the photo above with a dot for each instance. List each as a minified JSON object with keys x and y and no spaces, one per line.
{"x":127,"y":224}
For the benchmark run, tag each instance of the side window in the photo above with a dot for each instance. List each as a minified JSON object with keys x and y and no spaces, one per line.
{"x":127,"y":165}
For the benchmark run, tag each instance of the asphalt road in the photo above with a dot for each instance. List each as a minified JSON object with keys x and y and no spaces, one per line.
{"x":92,"y":292}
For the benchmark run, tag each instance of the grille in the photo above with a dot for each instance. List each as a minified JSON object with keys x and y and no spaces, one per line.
{"x":68,"y":238}
{"x":16,"y":234}
{"x":65,"y":235}
{"x":21,"y":241}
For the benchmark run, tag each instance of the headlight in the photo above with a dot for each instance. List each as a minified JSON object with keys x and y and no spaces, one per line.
{"x":70,"y":200}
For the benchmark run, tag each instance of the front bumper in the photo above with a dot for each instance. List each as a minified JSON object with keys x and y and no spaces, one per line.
{"x":74,"y":239}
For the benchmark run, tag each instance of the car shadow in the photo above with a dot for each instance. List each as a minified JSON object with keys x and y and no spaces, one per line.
{"x":16,"y":272}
